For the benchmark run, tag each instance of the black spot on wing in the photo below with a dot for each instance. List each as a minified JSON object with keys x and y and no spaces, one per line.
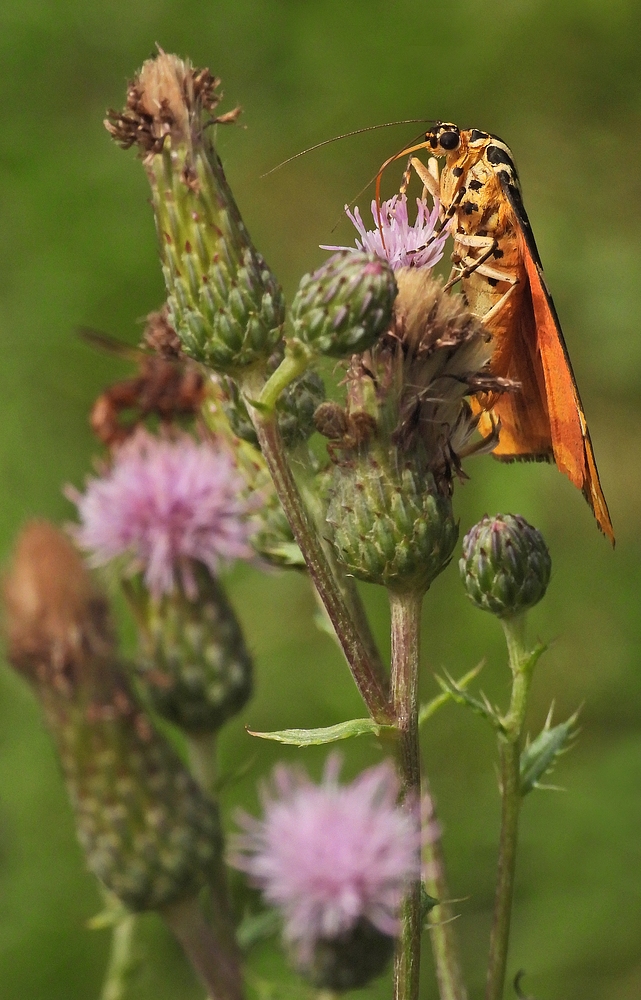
{"x":469,"y":207}
{"x":457,"y":171}
{"x":495,"y":155}
{"x":475,"y":185}
{"x":476,"y":134}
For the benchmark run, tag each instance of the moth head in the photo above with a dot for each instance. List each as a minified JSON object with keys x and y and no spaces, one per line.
{"x":443,"y":138}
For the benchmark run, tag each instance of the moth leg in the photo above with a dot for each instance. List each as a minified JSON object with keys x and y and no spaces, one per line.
{"x":470,"y":265}
{"x":496,"y":308}
{"x":428,"y":174}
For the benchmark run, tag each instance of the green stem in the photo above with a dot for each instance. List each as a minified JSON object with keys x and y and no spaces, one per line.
{"x":510,"y":744}
{"x":216,"y":967}
{"x":120,"y":961}
{"x":202,"y":760}
{"x":443,"y":937}
{"x":366,"y":676}
{"x":294,"y":364}
{"x":405,"y":634}
{"x":406,"y":620}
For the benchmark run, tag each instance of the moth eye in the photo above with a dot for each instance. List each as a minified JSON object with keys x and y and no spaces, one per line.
{"x":450,"y":140}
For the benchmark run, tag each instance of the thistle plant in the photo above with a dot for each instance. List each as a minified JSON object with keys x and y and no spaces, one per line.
{"x":259,"y":460}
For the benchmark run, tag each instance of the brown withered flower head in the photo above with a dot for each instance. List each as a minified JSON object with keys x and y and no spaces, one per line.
{"x":413,"y":389}
{"x":167,"y":97}
{"x":223,"y":301}
{"x":149,"y":833}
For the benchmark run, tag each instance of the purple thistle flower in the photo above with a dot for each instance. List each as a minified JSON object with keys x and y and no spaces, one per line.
{"x":329,"y":856}
{"x":165,"y":503}
{"x":406,"y":245}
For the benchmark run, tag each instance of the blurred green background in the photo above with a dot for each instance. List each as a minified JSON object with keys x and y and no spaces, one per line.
{"x":560,"y":80}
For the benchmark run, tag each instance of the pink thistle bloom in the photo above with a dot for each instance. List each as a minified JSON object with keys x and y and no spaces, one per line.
{"x":330,"y":855}
{"x":164,"y":503}
{"x":406,"y":245}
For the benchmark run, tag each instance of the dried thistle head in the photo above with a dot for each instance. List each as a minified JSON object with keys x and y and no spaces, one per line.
{"x":149,"y":833}
{"x":55,"y":618}
{"x":418,"y":378}
{"x":224,"y":303}
{"x":167,"y":97}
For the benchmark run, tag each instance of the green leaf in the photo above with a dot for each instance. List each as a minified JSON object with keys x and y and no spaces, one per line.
{"x":257,"y":927}
{"x":329,"y":734}
{"x":480,"y":706}
{"x":539,"y":757}
{"x":287,"y":554}
{"x":427,"y":711}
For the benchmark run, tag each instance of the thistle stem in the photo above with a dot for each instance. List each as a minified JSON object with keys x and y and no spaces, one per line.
{"x":120,"y":960}
{"x":406,"y":621}
{"x":202,"y":760}
{"x":294,"y":364}
{"x":405,"y":634}
{"x":216,"y":967}
{"x":510,"y":744}
{"x":443,"y":937}
{"x":367,"y":677}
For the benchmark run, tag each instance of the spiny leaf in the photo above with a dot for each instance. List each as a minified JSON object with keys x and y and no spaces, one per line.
{"x":329,"y":734}
{"x":539,"y":757}
{"x":428,"y":710}
{"x":480,"y":706}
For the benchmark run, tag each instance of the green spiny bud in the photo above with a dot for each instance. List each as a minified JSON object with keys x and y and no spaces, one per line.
{"x":389,"y":524}
{"x":224,"y":302}
{"x":350,"y":961}
{"x":149,"y":833}
{"x":295,"y":410}
{"x":193,"y":661}
{"x":344,"y":306}
{"x":505,"y":565}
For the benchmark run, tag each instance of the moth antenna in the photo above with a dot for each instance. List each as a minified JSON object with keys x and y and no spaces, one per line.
{"x":397,"y":156}
{"x":345,"y":135}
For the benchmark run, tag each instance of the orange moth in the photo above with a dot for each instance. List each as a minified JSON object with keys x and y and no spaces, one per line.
{"x":497,"y":262}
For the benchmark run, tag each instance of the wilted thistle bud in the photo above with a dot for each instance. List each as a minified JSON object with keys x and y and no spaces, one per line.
{"x":149,"y":833}
{"x":345,"y":305}
{"x":224,"y":302}
{"x":193,"y":661}
{"x":505,"y":565}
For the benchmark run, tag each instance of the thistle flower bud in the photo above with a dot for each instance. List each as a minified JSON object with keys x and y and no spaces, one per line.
{"x":390,"y":525}
{"x":193,"y":661}
{"x":345,"y":305}
{"x":505,"y":565}
{"x":349,"y":961}
{"x":224,"y":302}
{"x":149,"y":833}
{"x":295,"y":410}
